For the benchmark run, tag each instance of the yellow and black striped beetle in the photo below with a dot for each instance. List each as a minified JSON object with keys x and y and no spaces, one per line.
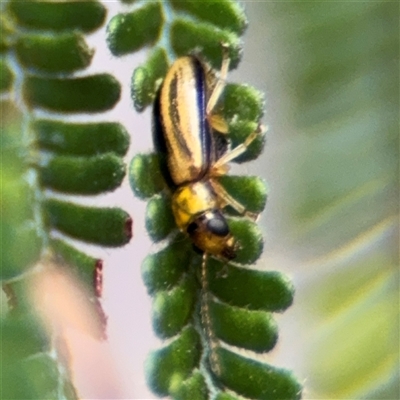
{"x":187,"y":136}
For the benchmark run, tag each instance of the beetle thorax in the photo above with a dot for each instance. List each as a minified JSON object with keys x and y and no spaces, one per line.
{"x":191,"y":200}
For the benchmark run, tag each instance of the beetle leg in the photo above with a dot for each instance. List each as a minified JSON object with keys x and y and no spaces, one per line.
{"x":218,"y":123}
{"x":219,"y":87}
{"x":225,"y":199}
{"x":237,"y":151}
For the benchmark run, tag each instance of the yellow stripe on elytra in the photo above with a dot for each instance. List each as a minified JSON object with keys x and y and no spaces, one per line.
{"x":181,"y":123}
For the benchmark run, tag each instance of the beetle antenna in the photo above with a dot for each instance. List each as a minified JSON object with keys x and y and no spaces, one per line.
{"x":206,"y":319}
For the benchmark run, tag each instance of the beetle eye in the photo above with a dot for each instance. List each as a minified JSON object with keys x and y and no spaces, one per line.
{"x":218,"y":226}
{"x":192,"y":227}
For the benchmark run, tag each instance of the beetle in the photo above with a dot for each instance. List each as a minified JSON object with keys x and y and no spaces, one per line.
{"x":191,"y":140}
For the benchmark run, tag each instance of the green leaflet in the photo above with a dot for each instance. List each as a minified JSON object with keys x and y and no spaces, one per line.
{"x":103,"y":226}
{"x":85,"y":139}
{"x":91,"y":94}
{"x":168,"y":368}
{"x":146,"y":78}
{"x":44,"y":52}
{"x":226,"y":14}
{"x":209,"y":46}
{"x":145,"y":176}
{"x":242,"y":106}
{"x":172,"y":309}
{"x":254,"y":290}
{"x":241,"y":102}
{"x":251,"y":191}
{"x":252,"y":330}
{"x":83,"y":175}
{"x":193,"y":387}
{"x":162,"y":270}
{"x":249,"y":238}
{"x":129,"y":32}
{"x":58,"y":16}
{"x":256,"y":380}
{"x":159,"y":218}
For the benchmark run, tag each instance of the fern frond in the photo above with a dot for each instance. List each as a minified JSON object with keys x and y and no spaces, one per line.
{"x":197,"y":362}
{"x":43,"y":45}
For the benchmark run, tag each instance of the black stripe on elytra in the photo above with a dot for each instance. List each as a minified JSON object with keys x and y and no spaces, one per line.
{"x":173,"y":94}
{"x":204,"y":129}
{"x":173,"y":112}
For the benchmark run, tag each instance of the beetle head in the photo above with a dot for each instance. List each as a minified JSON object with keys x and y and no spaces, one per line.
{"x":210,"y":233}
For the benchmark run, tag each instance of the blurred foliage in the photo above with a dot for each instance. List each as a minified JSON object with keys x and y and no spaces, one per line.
{"x":42,"y":45}
{"x":337,"y":66}
{"x":17,"y":195}
{"x":27,"y":369}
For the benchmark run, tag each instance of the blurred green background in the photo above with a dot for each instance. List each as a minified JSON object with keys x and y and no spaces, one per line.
{"x":331,"y":74}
